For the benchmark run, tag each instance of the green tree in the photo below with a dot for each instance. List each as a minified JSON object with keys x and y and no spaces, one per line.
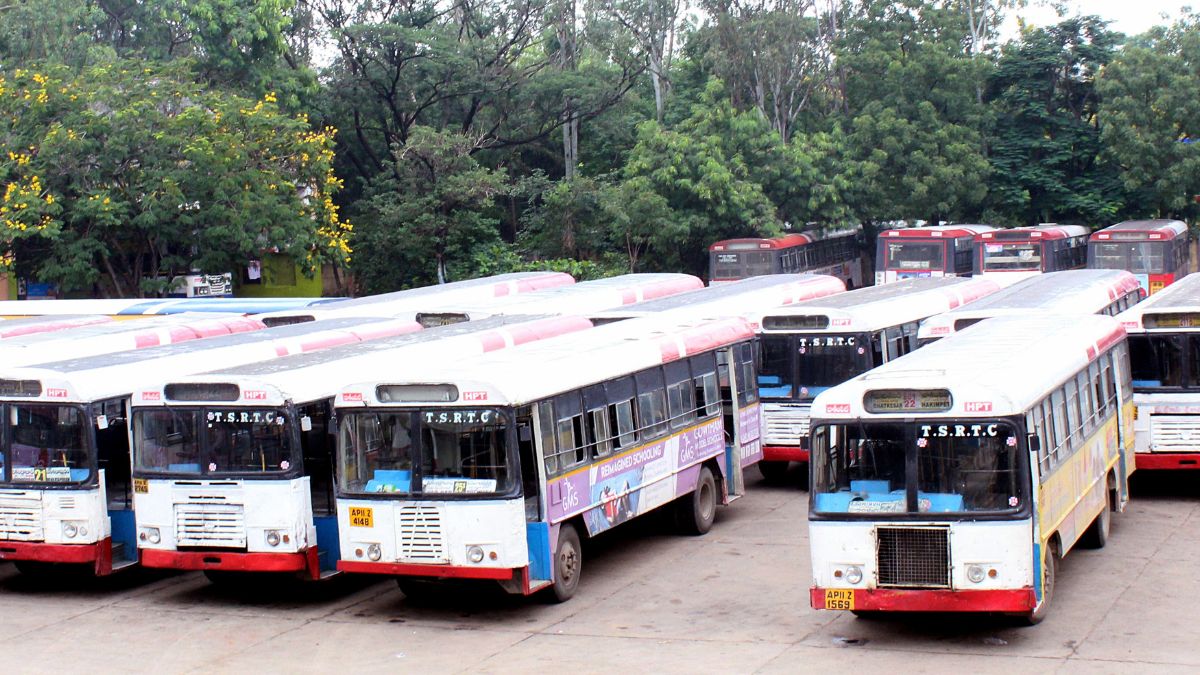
{"x":144,"y":175}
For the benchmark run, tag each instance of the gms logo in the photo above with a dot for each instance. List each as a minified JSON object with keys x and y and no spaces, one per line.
{"x":254,"y":395}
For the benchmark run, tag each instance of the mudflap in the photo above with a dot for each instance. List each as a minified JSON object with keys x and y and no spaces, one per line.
{"x":329,"y":549}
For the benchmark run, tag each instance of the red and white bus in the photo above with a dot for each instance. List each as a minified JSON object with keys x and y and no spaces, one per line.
{"x":1020,"y":252}
{"x":837,"y":254}
{"x":934,"y":251}
{"x":1155,"y":251}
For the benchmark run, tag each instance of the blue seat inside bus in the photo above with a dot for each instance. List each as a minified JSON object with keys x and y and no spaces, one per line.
{"x":1147,"y":383}
{"x":183,"y":468}
{"x":390,"y":480}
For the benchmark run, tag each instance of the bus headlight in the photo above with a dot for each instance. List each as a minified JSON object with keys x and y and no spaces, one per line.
{"x":69,"y":530}
{"x":975,"y":574}
{"x":272,"y":538}
{"x":374,"y":552}
{"x":853,"y":574}
{"x":475,"y":554}
{"x":150,"y":534}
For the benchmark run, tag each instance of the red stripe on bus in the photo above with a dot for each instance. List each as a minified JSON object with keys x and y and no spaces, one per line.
{"x":547,"y":328}
{"x":784,"y":453}
{"x":386,"y":329}
{"x":703,"y":338}
{"x":1156,"y":461}
{"x":55,"y":553}
{"x":548,"y":280}
{"x":143,"y":340}
{"x":1006,"y":600}
{"x":1104,"y":343}
{"x":491,"y":341}
{"x":430,"y":571}
{"x":214,"y":560}
{"x":281,"y":350}
{"x":181,"y":333}
{"x":666,"y":287}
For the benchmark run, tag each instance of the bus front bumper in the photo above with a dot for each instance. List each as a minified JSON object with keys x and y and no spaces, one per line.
{"x":426,"y":571}
{"x":865,"y":599}
{"x":784,"y":453}
{"x":1167,"y":460}
{"x":306,"y":561}
{"x":98,"y":554}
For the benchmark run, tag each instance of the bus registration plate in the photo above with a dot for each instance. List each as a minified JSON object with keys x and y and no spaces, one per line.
{"x":362,"y":516}
{"x":839,"y":598}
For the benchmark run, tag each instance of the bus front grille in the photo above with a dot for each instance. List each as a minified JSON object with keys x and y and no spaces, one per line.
{"x":21,"y":518}
{"x":220,"y":525}
{"x":786,"y":423}
{"x":1175,"y":433}
{"x":420,"y":534}
{"x":913,"y":557}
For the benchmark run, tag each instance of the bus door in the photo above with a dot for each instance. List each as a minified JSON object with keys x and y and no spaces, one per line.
{"x":537,"y":529}
{"x":317,"y":442}
{"x":113,"y":461}
{"x":1120,"y":378}
{"x":895,"y":342}
{"x":737,"y":390}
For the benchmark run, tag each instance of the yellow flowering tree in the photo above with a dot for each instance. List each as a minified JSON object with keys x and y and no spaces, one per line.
{"x":123,"y":176}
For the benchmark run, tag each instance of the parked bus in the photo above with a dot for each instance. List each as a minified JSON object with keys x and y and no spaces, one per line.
{"x":813,"y":345}
{"x":65,"y":489}
{"x":934,"y":251}
{"x":474,"y":469}
{"x":956,"y":478}
{"x":736,"y":298}
{"x":404,"y":303}
{"x":133,"y":308}
{"x":1155,"y":251}
{"x":837,"y":254}
{"x":1107,"y":292}
{"x":1020,"y":252}
{"x":253,"y":445}
{"x":1164,"y":355}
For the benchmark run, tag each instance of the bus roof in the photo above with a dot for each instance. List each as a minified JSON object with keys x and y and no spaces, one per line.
{"x":97,"y":377}
{"x":737,"y":298}
{"x":1086,"y":291}
{"x":1141,"y":229}
{"x":1174,"y":307}
{"x":1043,"y":231}
{"x":754,"y":244}
{"x":313,"y":376}
{"x":564,"y":363}
{"x":993,"y":369}
{"x":426,"y":298}
{"x":876,"y":307}
{"x":935,"y":231}
{"x":31,"y":325}
{"x":132,"y":307}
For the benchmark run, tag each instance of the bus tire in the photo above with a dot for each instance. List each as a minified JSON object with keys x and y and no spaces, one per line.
{"x":774,"y":473}
{"x":417,"y":590}
{"x":35,"y":569}
{"x":697,"y":511}
{"x":1049,"y":580}
{"x":1096,"y":535}
{"x":568,"y":564}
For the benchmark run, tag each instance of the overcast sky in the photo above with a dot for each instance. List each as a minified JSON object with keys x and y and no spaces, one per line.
{"x":1128,"y":16}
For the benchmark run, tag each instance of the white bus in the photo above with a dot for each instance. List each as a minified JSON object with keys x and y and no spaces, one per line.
{"x":495,"y":467}
{"x":735,"y":298}
{"x":134,"y":308}
{"x":65,"y":488}
{"x":812,"y":345}
{"x":955,"y":478}
{"x":403,"y":303}
{"x":1164,"y":355}
{"x":236,"y":465}
{"x":48,"y":324}
{"x":1108,"y":292}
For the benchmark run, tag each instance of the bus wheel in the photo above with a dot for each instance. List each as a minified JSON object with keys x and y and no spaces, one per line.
{"x":417,"y":590}
{"x":1096,"y":535}
{"x":34,"y":569}
{"x":774,"y":473}
{"x":696,"y":512}
{"x":1049,"y":575}
{"x":568,"y":563}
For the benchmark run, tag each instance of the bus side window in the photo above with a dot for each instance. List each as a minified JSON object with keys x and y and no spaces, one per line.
{"x":1058,"y":414}
{"x":528,"y":458}
{"x":747,"y":380}
{"x":704,"y":381}
{"x":652,"y":402}
{"x":1073,"y":418}
{"x":679,"y":393}
{"x":546,"y":428}
{"x":571,"y":440}
{"x":1098,"y":396}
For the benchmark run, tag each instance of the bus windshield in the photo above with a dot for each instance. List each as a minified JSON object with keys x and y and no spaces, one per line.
{"x":1138,"y":257}
{"x":425,"y":452}
{"x":914,"y":255}
{"x":802,"y":366}
{"x":1022,"y":257}
{"x":732,"y":265}
{"x":46,"y":444}
{"x":226,"y":441}
{"x":958,"y":466}
{"x":1165,"y":361}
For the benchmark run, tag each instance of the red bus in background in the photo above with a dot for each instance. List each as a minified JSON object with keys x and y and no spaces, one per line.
{"x":1021,"y":252}
{"x":1155,"y":251}
{"x":934,"y":251}
{"x":837,"y":255}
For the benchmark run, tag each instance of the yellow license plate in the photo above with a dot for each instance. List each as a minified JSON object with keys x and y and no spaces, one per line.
{"x":362,"y":516}
{"x":140,"y":486}
{"x":839,"y":598}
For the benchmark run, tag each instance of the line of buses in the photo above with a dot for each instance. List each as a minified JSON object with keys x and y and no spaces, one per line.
{"x":961,"y":434}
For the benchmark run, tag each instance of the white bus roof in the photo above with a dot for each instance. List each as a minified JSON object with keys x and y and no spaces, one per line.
{"x":135,"y":307}
{"x":997,"y":368}
{"x":119,"y":336}
{"x":1141,"y":229}
{"x":876,"y":307}
{"x":1067,"y":292}
{"x":406,"y":302}
{"x":302,"y":378}
{"x":31,"y":325}
{"x":94,"y":378}
{"x":736,"y":298}
{"x":1174,"y":307}
{"x":937,"y":231}
{"x":565,"y":363}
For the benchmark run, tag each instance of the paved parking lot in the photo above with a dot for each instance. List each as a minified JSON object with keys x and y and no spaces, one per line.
{"x":735,"y":600}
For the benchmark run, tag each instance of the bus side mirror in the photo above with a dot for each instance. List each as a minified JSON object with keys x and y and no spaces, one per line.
{"x":1034,"y":443}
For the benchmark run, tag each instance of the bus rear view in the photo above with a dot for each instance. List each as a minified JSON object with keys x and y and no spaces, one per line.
{"x":1155,"y":251}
